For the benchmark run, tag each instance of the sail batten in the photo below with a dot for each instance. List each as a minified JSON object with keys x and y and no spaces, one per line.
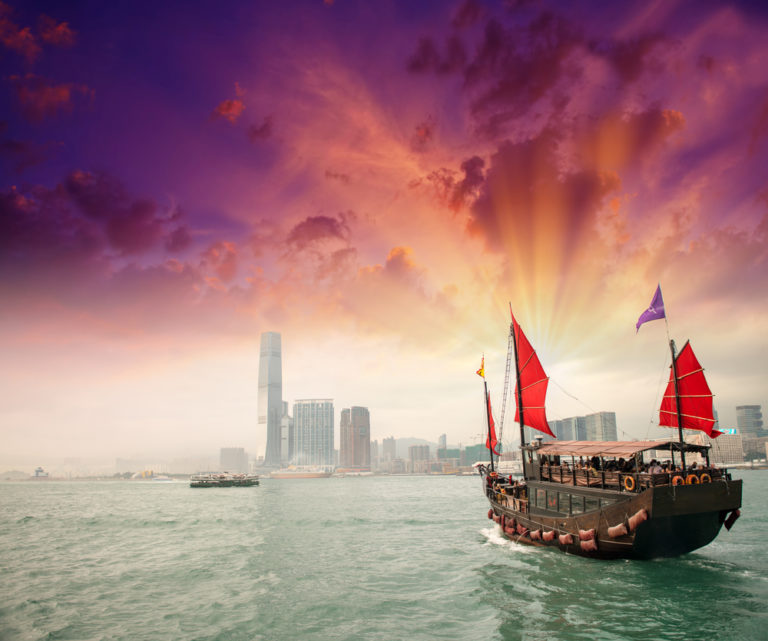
{"x":696,"y":411}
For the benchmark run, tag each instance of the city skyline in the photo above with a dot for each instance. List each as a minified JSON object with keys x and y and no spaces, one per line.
{"x":377,"y":184}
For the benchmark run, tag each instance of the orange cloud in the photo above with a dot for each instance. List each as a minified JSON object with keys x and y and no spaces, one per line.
{"x":233,"y":108}
{"x":55,"y":33}
{"x":39,"y":99}
{"x":16,"y":38}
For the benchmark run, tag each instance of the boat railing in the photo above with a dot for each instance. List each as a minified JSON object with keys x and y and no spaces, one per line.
{"x":626,"y":481}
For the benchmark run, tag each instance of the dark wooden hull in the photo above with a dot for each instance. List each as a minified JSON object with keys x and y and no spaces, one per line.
{"x":680,"y":519}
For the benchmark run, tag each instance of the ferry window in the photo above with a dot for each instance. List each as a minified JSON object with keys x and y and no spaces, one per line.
{"x":591,"y":503}
{"x":552,"y":501}
{"x":564,"y":505}
{"x":577,"y":504}
{"x":541,"y":498}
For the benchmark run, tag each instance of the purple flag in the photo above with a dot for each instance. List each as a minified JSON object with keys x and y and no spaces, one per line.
{"x":654,"y":312}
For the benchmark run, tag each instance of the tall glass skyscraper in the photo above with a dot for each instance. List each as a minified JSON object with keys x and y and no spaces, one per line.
{"x":271,"y":394}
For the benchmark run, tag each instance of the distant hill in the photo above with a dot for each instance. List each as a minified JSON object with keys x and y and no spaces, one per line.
{"x":402,"y":445}
{"x":14,"y":475}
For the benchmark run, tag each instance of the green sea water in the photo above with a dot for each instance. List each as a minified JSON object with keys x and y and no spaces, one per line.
{"x":390,"y":558}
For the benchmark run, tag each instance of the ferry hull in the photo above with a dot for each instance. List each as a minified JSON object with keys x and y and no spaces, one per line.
{"x":680,"y":519}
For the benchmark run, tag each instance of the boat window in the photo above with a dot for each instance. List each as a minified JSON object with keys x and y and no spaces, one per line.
{"x":591,"y":503}
{"x":541,"y":498}
{"x":577,"y":504}
{"x":604,"y":502}
{"x":552,"y":501}
{"x":564,"y":504}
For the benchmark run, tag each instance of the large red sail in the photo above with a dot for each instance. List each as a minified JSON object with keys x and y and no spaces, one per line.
{"x":491,"y":441}
{"x":696,"y":407}
{"x":533,"y":383}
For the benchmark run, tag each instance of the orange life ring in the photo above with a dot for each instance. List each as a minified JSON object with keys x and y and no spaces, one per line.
{"x":692,"y":479}
{"x":629,"y":483}
{"x":705,"y":478}
{"x":677,"y":480}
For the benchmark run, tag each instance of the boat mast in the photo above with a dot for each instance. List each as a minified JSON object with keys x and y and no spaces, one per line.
{"x":519,"y":393}
{"x":677,"y":402}
{"x":488,"y":420}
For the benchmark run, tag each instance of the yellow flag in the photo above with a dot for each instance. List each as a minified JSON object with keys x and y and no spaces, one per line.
{"x":481,"y":371}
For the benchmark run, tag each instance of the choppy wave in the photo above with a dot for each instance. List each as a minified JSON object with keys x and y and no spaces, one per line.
{"x":362,"y":558}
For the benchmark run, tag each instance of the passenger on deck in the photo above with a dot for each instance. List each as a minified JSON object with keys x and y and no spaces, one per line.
{"x":655,"y":468}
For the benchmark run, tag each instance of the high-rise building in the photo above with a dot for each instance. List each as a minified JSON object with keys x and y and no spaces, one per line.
{"x":418,"y":457}
{"x":355,"y":438}
{"x":313,"y":432}
{"x":271,"y":394}
{"x":601,"y":426}
{"x":749,"y":419}
{"x":389,"y":449}
{"x":442,"y":442}
{"x":233,"y":459}
{"x":286,"y":435}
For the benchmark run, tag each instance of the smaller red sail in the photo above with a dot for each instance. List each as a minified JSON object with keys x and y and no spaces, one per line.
{"x":696,"y":407}
{"x":533,"y":383}
{"x":491,"y":441}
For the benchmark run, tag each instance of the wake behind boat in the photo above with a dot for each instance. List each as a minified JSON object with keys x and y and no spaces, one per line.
{"x":612,"y":499}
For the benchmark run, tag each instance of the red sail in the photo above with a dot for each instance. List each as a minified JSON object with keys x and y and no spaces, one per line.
{"x":533,"y":382}
{"x":491,"y":441}
{"x":695,"y":396}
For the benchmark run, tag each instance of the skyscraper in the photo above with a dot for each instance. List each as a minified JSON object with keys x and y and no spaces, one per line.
{"x":313,"y":432}
{"x":601,"y":426}
{"x":355,"y":438}
{"x":286,"y":435}
{"x":271,"y":394}
{"x":749,"y":419}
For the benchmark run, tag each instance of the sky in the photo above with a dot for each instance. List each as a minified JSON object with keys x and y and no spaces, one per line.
{"x":378,"y":182}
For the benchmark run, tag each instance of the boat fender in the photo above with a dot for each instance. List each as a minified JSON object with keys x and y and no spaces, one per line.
{"x":637,"y":518}
{"x":589,"y":546}
{"x":496,"y":518}
{"x":617,"y":530}
{"x":735,"y":514}
{"x":521,"y":529}
{"x":510,"y":531}
{"x":536,"y":535}
{"x":629,"y":483}
{"x":565,"y":539}
{"x":549,"y":536}
{"x":677,"y":480}
{"x":705,"y":478}
{"x":512,"y":524}
{"x":692,"y":479}
{"x":490,"y":513}
{"x":502,"y":521}
{"x":586,"y":535}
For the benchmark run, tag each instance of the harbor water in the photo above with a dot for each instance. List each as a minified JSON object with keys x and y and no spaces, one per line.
{"x":389,"y":558}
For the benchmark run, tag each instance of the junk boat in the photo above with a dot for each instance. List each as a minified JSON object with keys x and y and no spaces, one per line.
{"x":223,"y":479}
{"x":606,"y":499}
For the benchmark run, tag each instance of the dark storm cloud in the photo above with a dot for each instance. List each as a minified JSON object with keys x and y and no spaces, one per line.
{"x":257,"y":133}
{"x":427,"y":58}
{"x":318,"y":228}
{"x":630,"y":57}
{"x":524,"y":194}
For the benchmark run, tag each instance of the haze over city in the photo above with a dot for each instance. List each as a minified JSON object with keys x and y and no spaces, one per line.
{"x":376,"y":182}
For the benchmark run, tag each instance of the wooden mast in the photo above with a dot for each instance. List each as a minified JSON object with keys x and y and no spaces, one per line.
{"x":519,"y":391}
{"x":488,"y":420}
{"x":677,"y":402}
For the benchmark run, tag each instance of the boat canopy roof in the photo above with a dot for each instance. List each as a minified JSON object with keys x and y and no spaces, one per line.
{"x":613,"y":448}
